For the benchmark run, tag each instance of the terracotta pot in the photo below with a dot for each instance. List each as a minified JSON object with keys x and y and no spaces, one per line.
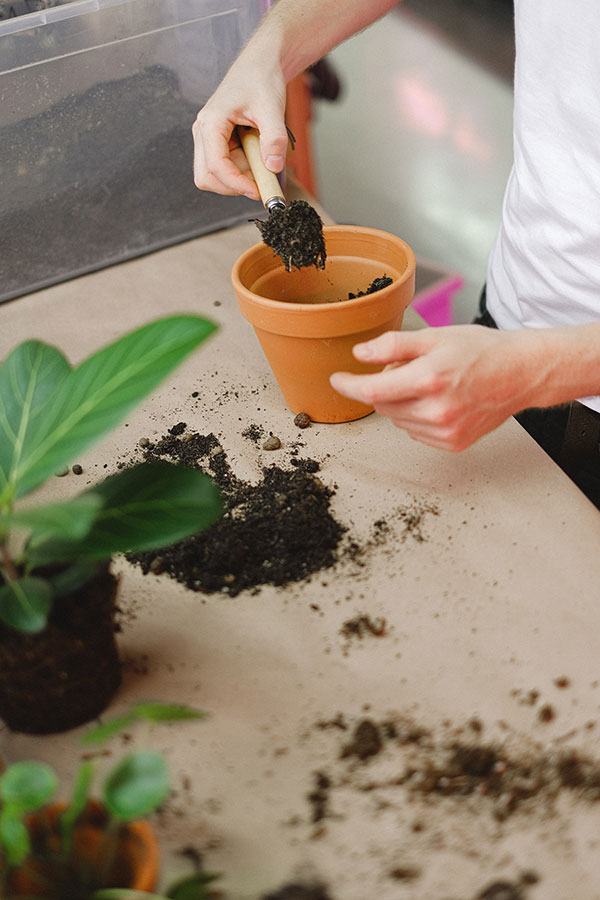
{"x":67,"y":674}
{"x":307,"y":326}
{"x":132,"y":861}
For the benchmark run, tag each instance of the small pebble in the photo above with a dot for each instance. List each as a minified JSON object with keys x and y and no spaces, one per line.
{"x":77,"y":469}
{"x":302,"y":420}
{"x":144,"y":442}
{"x":62,"y":472}
{"x":272,"y":443}
{"x":157,"y":565}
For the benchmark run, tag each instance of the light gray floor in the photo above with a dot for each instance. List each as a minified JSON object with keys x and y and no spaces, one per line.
{"x":419,"y":144}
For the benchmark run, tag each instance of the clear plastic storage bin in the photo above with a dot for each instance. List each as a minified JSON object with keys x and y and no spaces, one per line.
{"x":97,"y":102}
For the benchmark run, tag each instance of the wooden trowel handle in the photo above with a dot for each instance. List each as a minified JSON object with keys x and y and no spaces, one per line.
{"x":267,"y":183}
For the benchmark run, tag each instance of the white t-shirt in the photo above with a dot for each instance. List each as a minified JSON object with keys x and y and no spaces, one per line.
{"x":544,"y":268}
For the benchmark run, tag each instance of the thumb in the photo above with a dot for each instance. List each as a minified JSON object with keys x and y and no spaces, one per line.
{"x":394,"y":346}
{"x":273,"y":142}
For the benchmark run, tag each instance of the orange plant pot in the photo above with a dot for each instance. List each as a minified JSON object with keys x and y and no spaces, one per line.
{"x":133,"y":861}
{"x":307,"y":328}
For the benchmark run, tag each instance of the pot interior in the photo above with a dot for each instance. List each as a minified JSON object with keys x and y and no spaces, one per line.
{"x":342,"y":275}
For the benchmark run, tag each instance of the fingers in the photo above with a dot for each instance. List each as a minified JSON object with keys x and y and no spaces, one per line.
{"x":393,"y":385}
{"x":219,"y":162}
{"x":394,"y":346}
{"x":215,"y":150}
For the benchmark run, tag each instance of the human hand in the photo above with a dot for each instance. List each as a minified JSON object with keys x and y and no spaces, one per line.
{"x":446,"y":387}
{"x":252,"y":93}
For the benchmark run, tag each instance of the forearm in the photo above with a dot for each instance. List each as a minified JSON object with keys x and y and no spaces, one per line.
{"x":560,"y":364}
{"x":299,"y":32}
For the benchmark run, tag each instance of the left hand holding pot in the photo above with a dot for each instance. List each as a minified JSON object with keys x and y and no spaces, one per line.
{"x":447,"y":387}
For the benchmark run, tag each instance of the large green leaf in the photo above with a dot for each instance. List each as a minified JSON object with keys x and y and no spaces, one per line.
{"x":147,"y":506}
{"x":137,"y":785}
{"x":70,"y":519}
{"x":28,"y":377}
{"x":92,"y":398}
{"x":27,"y":785}
{"x":25,"y":604}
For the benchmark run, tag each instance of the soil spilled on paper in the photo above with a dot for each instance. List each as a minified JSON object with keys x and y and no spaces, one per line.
{"x":278,"y":531}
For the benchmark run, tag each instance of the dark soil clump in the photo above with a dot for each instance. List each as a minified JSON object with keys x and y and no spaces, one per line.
{"x":366,"y":741}
{"x":278,"y":531}
{"x":376,"y":285}
{"x":363,"y":625}
{"x":295,"y":233}
{"x":298,"y":891}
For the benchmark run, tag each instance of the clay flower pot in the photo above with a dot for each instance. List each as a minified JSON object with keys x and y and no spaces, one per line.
{"x":305,"y":323}
{"x":99,"y":859}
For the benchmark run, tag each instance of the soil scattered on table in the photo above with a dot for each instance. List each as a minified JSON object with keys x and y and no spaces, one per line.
{"x":278,"y":531}
{"x":299,"y":891}
{"x":295,"y":233}
{"x":458,"y":766}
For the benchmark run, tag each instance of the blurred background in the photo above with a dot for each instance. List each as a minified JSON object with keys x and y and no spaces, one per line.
{"x":419,"y":140}
{"x":96,"y":145}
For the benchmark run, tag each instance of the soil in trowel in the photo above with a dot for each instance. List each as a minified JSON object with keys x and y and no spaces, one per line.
{"x":296,"y":235}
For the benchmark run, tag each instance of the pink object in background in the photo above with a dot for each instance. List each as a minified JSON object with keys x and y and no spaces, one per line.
{"x":434,"y":293}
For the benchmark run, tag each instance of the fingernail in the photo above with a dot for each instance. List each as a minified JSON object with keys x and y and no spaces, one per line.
{"x":275,"y":163}
{"x":363,"y":350}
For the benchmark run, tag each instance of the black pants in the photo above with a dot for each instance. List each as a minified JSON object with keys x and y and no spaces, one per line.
{"x":570,"y":433}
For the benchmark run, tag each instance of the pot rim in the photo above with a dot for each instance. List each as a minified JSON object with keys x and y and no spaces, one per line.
{"x":314,"y":308}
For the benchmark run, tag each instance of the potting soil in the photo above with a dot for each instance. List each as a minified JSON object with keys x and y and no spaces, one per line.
{"x":278,"y":531}
{"x":296,"y":235}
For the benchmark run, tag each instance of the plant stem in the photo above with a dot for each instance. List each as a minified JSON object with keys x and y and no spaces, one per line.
{"x":7,"y":566}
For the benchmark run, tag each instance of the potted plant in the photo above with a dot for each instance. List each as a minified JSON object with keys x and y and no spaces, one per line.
{"x":59,"y":664}
{"x":308,"y":320}
{"x":84,"y":848}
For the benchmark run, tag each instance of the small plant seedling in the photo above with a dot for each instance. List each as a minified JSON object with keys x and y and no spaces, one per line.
{"x":133,"y":788}
{"x":49,"y":413}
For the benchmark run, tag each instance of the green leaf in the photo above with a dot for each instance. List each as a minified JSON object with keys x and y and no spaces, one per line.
{"x":71,"y":519}
{"x":73,"y":577}
{"x":96,"y":395}
{"x":14,"y":837}
{"x":25,"y":604}
{"x":195,"y":887}
{"x":29,"y":376}
{"x":79,"y":799}
{"x":137,"y":785}
{"x":108,"y":730}
{"x":125,"y":894}
{"x":147,"y":506}
{"x":27,"y":785}
{"x":166,"y":712}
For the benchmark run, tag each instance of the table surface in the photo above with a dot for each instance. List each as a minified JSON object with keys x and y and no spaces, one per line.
{"x":495,"y":602}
